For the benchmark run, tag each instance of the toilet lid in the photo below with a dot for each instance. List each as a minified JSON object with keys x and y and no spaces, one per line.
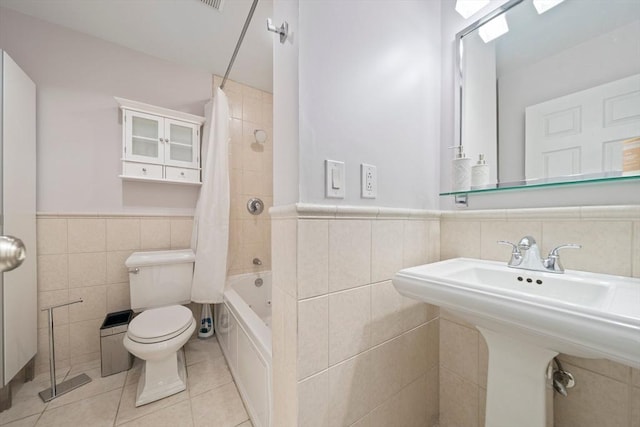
{"x":160,"y":324}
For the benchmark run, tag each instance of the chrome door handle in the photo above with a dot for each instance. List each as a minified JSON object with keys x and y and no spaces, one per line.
{"x":12,"y":253}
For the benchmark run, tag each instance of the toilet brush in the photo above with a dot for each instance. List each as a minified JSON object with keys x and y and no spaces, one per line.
{"x":206,"y":322}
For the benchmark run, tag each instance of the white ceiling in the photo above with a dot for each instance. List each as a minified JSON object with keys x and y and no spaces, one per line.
{"x":182,"y":31}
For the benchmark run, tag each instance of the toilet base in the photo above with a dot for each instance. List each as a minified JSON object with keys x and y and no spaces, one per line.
{"x":161,"y":378}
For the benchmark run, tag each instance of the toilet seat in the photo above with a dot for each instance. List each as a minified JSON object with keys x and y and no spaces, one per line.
{"x":160,"y":324}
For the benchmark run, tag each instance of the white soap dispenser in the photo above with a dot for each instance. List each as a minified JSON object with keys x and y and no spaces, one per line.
{"x":461,"y":170}
{"x":480,"y":173}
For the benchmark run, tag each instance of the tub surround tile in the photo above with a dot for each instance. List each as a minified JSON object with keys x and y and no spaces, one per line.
{"x":284,"y":255}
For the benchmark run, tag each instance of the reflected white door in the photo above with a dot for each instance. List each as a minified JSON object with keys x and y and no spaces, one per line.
{"x":582,"y":133}
{"x":18,"y":207}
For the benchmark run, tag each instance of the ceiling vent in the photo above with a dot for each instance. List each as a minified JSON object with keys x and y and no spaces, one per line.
{"x":216,"y":4}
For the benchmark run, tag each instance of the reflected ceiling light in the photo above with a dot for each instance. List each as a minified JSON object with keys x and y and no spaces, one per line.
{"x":494,"y":28}
{"x":466,"y":8}
{"x":543,"y":5}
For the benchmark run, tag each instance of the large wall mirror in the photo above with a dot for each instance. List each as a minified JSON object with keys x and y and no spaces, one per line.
{"x":554,"y":94}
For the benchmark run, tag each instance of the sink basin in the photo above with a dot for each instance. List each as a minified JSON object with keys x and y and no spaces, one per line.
{"x":527,"y":318}
{"x":577,"y":313}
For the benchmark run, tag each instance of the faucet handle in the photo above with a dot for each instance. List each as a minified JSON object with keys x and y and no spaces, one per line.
{"x":552,"y":263}
{"x":514,"y":247}
{"x":555,"y":252}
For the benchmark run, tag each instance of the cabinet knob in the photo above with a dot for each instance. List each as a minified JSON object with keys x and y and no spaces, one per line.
{"x":182,"y":173}
{"x":144,"y":170}
{"x":166,"y":140}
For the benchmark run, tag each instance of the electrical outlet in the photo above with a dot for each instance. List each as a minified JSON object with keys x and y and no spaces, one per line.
{"x":334,"y":179}
{"x":368,"y":181}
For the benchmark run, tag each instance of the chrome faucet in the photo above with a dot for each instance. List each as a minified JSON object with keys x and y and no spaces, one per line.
{"x":526,"y":255}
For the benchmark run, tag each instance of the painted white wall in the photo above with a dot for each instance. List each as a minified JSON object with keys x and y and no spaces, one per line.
{"x":286,"y":186}
{"x":369,"y":75}
{"x":597,"y":61}
{"x":78,"y":122}
{"x":584,"y":195}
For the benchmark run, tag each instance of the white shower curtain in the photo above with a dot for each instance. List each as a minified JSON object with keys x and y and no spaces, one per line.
{"x":210,"y":236}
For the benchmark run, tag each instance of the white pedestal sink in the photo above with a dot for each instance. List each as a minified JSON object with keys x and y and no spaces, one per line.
{"x":527,"y":318}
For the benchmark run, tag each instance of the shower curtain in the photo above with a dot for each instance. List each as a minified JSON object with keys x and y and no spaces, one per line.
{"x":210,"y":236}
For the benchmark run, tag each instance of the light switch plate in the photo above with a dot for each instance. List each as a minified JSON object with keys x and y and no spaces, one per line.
{"x":334,"y":179}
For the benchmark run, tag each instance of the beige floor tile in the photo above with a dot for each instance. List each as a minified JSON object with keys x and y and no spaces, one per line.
{"x":133,"y":374}
{"x":99,"y":410}
{"x":222,"y":404}
{"x":245,"y":424}
{"x":128,"y":411}
{"x":26,"y":401}
{"x":97,"y":386}
{"x":178,"y":415}
{"x":25,"y":422}
{"x":207,"y":375}
{"x":199,"y":350}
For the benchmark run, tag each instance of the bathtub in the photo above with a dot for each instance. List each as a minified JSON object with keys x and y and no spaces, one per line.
{"x":243,"y":325}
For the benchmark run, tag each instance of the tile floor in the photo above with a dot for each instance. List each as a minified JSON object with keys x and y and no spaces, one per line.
{"x":211,"y":399}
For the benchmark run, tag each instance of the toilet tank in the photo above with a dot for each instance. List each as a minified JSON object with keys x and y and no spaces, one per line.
{"x":160,"y":278}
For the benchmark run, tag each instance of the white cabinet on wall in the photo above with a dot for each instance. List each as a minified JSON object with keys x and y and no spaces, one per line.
{"x":159,"y":144}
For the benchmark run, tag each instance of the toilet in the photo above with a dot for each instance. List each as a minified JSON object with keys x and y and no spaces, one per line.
{"x":159,"y":282}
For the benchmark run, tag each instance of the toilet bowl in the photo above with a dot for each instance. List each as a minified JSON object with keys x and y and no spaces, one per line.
{"x":156,"y":336}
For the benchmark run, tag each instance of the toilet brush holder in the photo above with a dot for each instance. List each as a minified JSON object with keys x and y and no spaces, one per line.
{"x":64,"y":387}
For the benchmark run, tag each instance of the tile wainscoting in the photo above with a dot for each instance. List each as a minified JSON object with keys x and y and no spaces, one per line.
{"x":606,"y":393}
{"x":82,"y":256}
{"x":347,"y":348}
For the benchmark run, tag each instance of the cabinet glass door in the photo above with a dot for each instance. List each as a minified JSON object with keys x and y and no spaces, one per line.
{"x":144,"y":138}
{"x":182,"y":148}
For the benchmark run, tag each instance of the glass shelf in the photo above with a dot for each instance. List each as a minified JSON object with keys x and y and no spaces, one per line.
{"x":556,"y":182}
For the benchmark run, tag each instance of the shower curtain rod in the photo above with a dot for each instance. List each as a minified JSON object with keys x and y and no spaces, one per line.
{"x":235,"y":52}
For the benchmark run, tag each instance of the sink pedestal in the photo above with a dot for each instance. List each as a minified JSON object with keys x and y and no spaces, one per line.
{"x":516,"y":384}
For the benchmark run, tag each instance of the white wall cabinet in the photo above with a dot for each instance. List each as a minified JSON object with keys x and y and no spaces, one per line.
{"x":159,"y":144}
